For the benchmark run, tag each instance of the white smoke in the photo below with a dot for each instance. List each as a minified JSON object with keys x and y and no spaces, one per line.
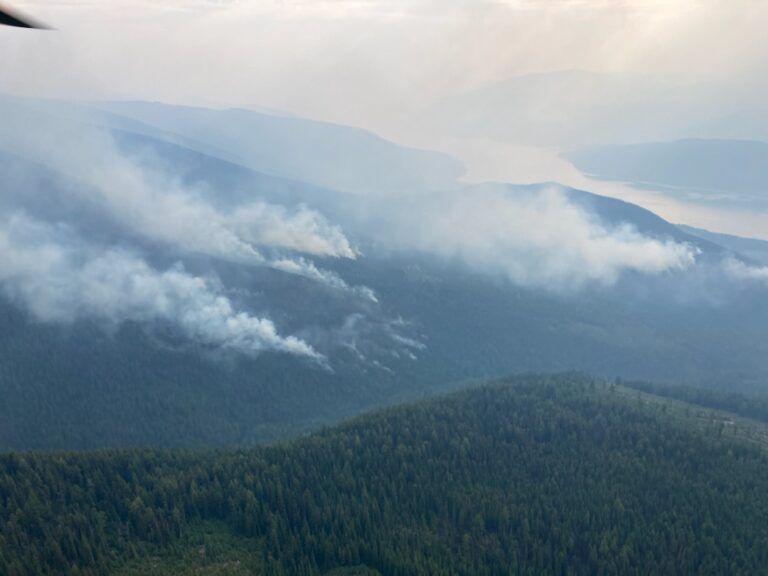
{"x":142,"y":196}
{"x":741,"y":271}
{"x":59,"y":277}
{"x":302,"y":230}
{"x":59,"y":280}
{"x":136,"y":191}
{"x":535,"y":238}
{"x":306,"y":268}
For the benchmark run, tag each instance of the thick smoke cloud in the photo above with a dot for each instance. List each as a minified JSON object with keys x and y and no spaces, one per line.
{"x":535,"y":238}
{"x":59,"y":280}
{"x":140,"y":193}
{"x":59,"y":272}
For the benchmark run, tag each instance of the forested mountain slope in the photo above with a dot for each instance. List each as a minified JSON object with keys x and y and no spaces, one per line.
{"x":437,"y":319}
{"x":530,"y":476}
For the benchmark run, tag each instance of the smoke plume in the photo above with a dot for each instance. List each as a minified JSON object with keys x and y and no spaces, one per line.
{"x":58,"y":279}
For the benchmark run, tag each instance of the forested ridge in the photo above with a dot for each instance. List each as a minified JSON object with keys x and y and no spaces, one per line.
{"x":94,"y":383}
{"x":538,"y":474}
{"x":745,"y":405}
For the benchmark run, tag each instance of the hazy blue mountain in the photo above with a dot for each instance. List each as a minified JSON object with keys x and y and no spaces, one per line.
{"x":752,"y":248}
{"x":57,"y":111}
{"x":733,"y":172}
{"x":740,"y":124}
{"x":339,"y":157}
{"x":575,"y":108}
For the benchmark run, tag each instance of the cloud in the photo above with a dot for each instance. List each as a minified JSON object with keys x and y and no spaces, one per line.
{"x":534,"y":238}
{"x":58,"y":279}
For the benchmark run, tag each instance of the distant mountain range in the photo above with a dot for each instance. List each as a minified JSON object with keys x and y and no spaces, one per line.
{"x":329,"y":155}
{"x":578,"y":108}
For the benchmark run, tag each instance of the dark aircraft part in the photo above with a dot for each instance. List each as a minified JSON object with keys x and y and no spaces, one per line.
{"x":8,"y":18}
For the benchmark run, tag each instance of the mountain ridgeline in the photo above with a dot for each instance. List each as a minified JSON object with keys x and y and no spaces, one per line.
{"x":539,"y":474}
{"x":731,"y":173}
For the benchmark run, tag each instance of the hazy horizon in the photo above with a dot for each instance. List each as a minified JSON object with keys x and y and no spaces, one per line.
{"x":504,"y":86}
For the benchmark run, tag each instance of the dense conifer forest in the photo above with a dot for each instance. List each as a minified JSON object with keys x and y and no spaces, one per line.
{"x":534,"y":475}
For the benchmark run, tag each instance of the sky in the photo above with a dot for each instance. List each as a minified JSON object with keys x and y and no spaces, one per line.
{"x":421,"y":71}
{"x":367,"y":62}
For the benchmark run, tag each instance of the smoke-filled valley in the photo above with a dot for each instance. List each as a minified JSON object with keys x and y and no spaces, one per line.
{"x":187,"y":299}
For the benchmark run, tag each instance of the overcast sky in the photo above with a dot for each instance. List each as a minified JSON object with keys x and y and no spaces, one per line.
{"x":366,"y":62}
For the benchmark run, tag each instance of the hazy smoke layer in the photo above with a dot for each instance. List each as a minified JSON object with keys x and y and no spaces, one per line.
{"x":62,"y":276}
{"x":142,"y":195}
{"x":741,"y":271}
{"x":535,"y":238}
{"x":59,"y":280}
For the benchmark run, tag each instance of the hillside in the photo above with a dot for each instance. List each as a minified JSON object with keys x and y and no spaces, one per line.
{"x":752,"y":248}
{"x":731,"y":172}
{"x":90,"y":384}
{"x":533,"y":475}
{"x":81,"y":387}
